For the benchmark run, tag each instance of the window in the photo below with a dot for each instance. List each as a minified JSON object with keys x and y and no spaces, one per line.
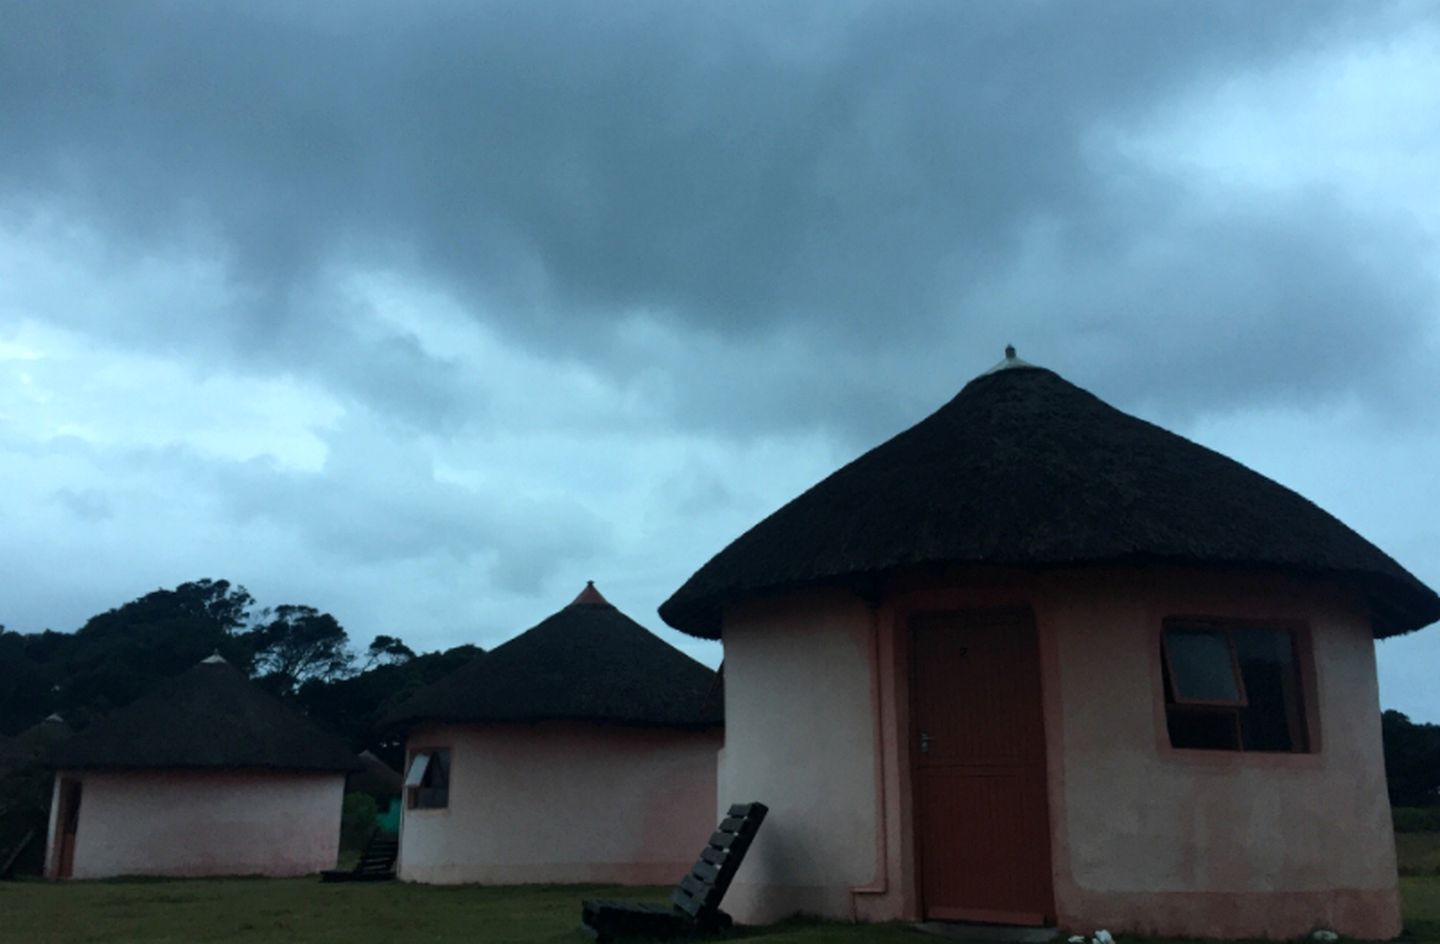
{"x":427,"y":784}
{"x":1233,"y":686}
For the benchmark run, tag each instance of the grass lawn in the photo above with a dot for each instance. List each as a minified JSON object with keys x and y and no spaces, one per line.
{"x":1419,"y":853}
{"x":1422,"y":907}
{"x":290,"y":910}
{"x":303,"y":910}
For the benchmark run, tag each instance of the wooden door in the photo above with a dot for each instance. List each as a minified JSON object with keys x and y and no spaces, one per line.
{"x":69,"y":816}
{"x":982,"y":813}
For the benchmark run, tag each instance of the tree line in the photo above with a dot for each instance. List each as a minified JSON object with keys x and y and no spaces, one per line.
{"x":306,"y":657}
{"x":1412,"y":760}
{"x":300,"y":653}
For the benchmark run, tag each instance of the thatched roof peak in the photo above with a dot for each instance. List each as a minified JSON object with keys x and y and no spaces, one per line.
{"x":1024,"y":469}
{"x":590,"y":596}
{"x":586,"y":662}
{"x":1010,"y":361}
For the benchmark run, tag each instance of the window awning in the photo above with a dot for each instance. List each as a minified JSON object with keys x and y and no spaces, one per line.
{"x":418,"y":765}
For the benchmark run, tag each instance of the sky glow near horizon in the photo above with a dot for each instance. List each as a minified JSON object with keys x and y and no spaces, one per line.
{"x":424,"y":316}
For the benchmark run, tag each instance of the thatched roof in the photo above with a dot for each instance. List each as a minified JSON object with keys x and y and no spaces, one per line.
{"x":35,"y":742}
{"x":1024,"y":469}
{"x":588,"y":662}
{"x":210,"y":715}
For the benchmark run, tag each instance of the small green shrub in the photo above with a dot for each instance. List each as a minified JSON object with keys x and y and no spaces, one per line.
{"x":1417,"y":819}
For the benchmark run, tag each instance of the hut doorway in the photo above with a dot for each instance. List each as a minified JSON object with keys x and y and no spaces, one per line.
{"x":981,"y":808}
{"x":69,"y":818}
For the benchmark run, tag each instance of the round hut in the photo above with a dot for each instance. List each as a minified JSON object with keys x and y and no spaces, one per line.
{"x":1035,"y":660}
{"x":582,"y":750}
{"x":206,"y":775}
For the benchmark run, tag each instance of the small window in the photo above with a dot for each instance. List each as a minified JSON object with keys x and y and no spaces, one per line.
{"x":427,"y":783}
{"x":1233,"y":687}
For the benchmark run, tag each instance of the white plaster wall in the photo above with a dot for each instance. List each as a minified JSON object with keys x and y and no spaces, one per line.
{"x":800,"y":738}
{"x":564,"y":803}
{"x":193,"y":823}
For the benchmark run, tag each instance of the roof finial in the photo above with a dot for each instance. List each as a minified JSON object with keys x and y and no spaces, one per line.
{"x":1009,"y":362}
{"x":214,"y":658}
{"x":590,"y":596}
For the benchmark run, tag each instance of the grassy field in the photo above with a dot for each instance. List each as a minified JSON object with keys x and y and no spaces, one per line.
{"x":261,"y":911}
{"x":1419,"y":853}
{"x":1419,"y":857}
{"x":1422,"y":908}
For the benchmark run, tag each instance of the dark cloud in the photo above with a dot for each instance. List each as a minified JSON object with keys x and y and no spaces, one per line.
{"x":1212,"y":306}
{"x":374,"y":503}
{"x":846,"y":172}
{"x":705,"y":253}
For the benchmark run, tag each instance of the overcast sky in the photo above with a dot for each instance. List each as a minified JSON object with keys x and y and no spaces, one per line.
{"x":424,"y":314}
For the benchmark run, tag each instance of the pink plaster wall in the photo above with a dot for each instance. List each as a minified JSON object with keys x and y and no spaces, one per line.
{"x":193,"y":823}
{"x":565,"y":803}
{"x":1145,"y":838}
{"x":1215,"y":843}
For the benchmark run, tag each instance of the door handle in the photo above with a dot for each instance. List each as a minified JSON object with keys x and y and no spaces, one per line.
{"x":925,"y":740}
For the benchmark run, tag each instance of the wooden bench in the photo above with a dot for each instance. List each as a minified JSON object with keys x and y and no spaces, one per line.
{"x":695,"y":903}
{"x":377,"y":862}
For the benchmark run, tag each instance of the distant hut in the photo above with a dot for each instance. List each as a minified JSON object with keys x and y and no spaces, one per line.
{"x":383,"y":784}
{"x":32,"y":745}
{"x":37,"y":741}
{"x":207,"y":775}
{"x":582,"y":750}
{"x":24,"y":790}
{"x":1037,"y":660}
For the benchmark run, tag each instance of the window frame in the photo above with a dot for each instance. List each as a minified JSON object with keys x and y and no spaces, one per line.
{"x":414,"y":792}
{"x":1303,"y":722}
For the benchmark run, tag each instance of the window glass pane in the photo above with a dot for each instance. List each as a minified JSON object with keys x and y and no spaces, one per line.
{"x":1273,"y":720}
{"x":431,"y":781}
{"x":1208,"y":729}
{"x":439,"y":769}
{"x":1201,"y":667}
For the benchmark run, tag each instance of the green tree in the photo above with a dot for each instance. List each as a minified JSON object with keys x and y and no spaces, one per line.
{"x":122,"y":653}
{"x":27,"y":693}
{"x":357,"y":705}
{"x":293,"y":645}
{"x":1412,"y":760}
{"x":386,"y":650}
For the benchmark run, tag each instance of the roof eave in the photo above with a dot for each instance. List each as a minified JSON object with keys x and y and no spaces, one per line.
{"x":1397,"y":606}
